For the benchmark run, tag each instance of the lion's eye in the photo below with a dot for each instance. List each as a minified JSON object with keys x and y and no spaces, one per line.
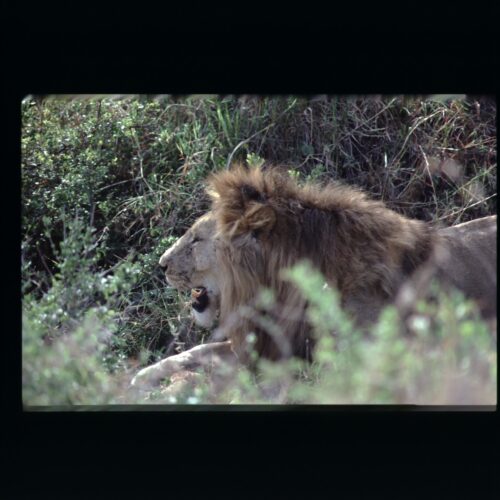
{"x":195,"y":240}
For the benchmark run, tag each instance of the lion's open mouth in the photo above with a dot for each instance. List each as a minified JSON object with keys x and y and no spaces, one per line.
{"x":199,"y":298}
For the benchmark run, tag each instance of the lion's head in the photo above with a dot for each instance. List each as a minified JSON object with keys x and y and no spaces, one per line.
{"x":190,"y":264}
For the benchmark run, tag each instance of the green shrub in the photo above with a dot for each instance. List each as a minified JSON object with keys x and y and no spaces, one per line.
{"x":72,"y":334}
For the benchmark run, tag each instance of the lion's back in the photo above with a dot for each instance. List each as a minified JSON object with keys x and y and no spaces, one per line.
{"x":469,"y":260}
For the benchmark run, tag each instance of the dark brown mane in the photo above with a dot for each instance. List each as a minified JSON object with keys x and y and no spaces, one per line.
{"x":268,"y":222}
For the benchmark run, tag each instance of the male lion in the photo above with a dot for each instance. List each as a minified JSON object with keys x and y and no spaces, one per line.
{"x":263,"y":221}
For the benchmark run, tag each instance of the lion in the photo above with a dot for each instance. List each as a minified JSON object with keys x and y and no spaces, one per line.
{"x":262,"y":222}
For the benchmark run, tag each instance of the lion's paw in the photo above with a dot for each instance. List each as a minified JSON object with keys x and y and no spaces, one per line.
{"x":148,"y":377}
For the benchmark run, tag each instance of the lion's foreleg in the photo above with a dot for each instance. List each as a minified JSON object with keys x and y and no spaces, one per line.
{"x":205,"y":356}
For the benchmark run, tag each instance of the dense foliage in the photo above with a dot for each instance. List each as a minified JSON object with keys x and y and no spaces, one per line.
{"x":109,"y":183}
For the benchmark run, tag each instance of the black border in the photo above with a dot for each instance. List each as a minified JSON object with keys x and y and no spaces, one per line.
{"x":92,"y":50}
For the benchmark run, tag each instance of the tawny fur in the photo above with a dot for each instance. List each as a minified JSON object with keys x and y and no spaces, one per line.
{"x":267,"y":222}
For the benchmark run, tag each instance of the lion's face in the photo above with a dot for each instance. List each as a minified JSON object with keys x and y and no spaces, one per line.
{"x":191,"y":264}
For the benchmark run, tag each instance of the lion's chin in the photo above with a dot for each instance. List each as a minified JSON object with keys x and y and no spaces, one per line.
{"x":207,"y":318}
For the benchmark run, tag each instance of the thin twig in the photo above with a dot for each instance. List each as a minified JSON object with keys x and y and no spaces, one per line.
{"x":419,"y":122}
{"x":367,"y":120}
{"x":114,"y":184}
{"x":466,"y":208}
{"x":430,"y":177}
{"x":42,"y":258}
{"x":139,"y":156}
{"x":229,"y":160}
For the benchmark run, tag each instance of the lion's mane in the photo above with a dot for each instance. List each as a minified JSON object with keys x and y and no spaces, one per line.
{"x":267,"y":222}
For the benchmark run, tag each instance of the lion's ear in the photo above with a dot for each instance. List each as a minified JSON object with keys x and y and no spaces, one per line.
{"x":259,"y":217}
{"x":249,"y":194}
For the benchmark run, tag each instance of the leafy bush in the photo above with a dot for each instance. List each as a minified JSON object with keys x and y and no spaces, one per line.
{"x":72,"y":335}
